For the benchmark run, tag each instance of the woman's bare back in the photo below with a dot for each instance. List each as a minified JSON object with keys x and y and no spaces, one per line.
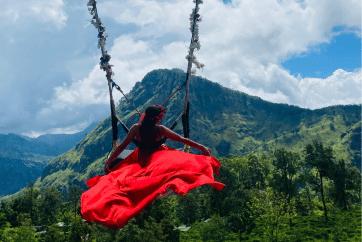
{"x":138,"y":135}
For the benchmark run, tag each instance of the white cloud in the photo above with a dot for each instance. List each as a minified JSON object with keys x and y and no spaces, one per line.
{"x":93,"y":90}
{"x":242,"y":45}
{"x":42,"y":10}
{"x":340,"y":88}
{"x":330,"y":13}
{"x":90,"y":90}
{"x":154,"y":17}
{"x":64,"y":130}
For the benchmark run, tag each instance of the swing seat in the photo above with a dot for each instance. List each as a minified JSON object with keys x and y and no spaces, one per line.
{"x":120,"y":158}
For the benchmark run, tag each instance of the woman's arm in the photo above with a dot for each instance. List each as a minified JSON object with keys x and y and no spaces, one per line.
{"x":169,"y":134}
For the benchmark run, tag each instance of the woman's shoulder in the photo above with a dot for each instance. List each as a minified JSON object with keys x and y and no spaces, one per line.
{"x":161,"y":128}
{"x":134,"y":127}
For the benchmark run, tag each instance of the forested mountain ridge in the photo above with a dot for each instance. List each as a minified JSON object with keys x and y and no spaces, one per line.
{"x":65,"y":142}
{"x":227,"y":121}
{"x":22,"y":159}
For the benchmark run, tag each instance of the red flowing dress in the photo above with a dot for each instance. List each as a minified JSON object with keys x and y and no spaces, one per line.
{"x":117,"y":197}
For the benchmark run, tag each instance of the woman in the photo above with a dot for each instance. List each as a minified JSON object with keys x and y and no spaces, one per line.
{"x":149,"y":135}
{"x":148,"y":172}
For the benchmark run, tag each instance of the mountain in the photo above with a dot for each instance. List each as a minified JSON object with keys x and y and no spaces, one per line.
{"x":227,"y":121}
{"x":22,"y":159}
{"x":64,"y":142}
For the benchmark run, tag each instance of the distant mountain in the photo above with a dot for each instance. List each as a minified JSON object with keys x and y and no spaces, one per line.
{"x":64,"y":142}
{"x":227,"y":121}
{"x":22,"y":159}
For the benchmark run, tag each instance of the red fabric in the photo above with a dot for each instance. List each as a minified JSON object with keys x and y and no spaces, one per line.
{"x":116,"y":198}
{"x":162,"y":112}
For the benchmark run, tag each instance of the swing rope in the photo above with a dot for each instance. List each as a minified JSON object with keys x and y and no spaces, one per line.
{"x":178,"y":89}
{"x":194,"y":43}
{"x":105,"y":66}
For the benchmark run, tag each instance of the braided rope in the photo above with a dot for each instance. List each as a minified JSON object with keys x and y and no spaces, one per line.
{"x":104,"y":63}
{"x":195,"y":41}
{"x":194,"y":44}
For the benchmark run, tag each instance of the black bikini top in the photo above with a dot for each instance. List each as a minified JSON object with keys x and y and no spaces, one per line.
{"x":149,"y":145}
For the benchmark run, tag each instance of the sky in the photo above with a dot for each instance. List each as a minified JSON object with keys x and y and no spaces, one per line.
{"x":299,"y":52}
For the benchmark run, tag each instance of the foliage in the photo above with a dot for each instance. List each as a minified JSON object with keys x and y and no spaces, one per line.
{"x":304,"y":203}
{"x":252,"y":207}
{"x":25,"y":232}
{"x":257,"y":171}
{"x":101,"y":233}
{"x":79,"y":230}
{"x":49,"y":203}
{"x":315,"y":228}
{"x":285,"y":178}
{"x":159,"y":220}
{"x":152,"y":231}
{"x":241,"y":216}
{"x":269,"y":207}
{"x":73,"y":196}
{"x":320,"y":158}
{"x":214,"y":229}
{"x":286,"y":166}
{"x":189,"y":207}
{"x":3,"y":221}
{"x":346,"y":185}
{"x":130,"y":232}
{"x":7,"y":210}
{"x":53,"y":234}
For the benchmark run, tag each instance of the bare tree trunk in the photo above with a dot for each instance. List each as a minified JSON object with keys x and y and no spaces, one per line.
{"x":290,"y":216}
{"x":344,"y":200}
{"x":324,"y":203}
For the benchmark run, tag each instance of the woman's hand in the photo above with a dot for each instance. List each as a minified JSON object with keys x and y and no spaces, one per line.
{"x":205,"y":151}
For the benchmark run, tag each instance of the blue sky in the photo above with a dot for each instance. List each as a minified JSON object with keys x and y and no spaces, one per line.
{"x":300,"y":52}
{"x":320,"y":61}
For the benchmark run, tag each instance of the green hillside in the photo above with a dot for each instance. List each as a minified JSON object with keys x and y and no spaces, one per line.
{"x":22,"y":159}
{"x":227,"y":121}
